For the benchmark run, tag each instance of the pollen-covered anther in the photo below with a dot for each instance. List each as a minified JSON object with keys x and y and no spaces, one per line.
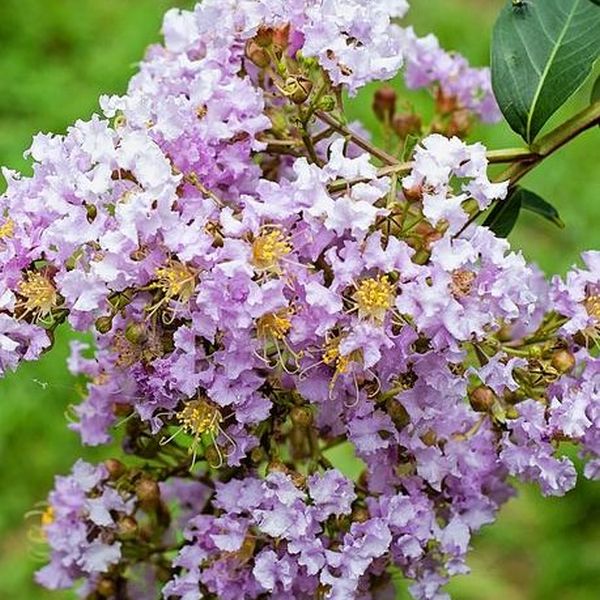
{"x":274,"y":325}
{"x":333,"y":358}
{"x":176,"y":280}
{"x":7,"y":229}
{"x":462,"y":283}
{"x":199,"y":416}
{"x":268,"y":249}
{"x":374,"y":297}
{"x":592,"y":306}
{"x":39,"y":295}
{"x":47,"y":517}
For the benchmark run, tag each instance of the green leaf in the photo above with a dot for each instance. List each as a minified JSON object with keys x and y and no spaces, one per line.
{"x":542,"y":51}
{"x":532,"y":202}
{"x":596,"y":89}
{"x":596,"y":2}
{"x":504,"y":215}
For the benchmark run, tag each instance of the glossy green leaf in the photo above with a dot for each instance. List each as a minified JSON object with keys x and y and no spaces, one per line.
{"x":532,"y":202}
{"x":504,"y":215}
{"x":596,"y":89}
{"x":542,"y":51}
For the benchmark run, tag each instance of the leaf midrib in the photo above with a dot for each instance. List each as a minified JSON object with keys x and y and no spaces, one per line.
{"x":547,"y":68}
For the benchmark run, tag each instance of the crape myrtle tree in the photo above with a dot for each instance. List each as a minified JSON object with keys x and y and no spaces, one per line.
{"x":264,"y":284}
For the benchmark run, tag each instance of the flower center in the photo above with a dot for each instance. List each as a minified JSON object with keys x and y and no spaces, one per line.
{"x":592,"y":306}
{"x":268,"y":249}
{"x":333,"y":358}
{"x":176,"y":280}
{"x":462,"y":283}
{"x":274,"y":325}
{"x":7,"y":229}
{"x":374,"y":296}
{"x":199,"y":416}
{"x":40,"y":294}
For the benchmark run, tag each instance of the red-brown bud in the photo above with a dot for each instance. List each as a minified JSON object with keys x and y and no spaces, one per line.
{"x":482,"y":398}
{"x":264,"y":37}
{"x":115,"y":468}
{"x":445,"y":104}
{"x":256,"y":54}
{"x":406,"y":124}
{"x":384,"y":103}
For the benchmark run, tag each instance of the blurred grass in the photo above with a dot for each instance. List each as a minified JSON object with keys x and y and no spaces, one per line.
{"x":57,"y":57}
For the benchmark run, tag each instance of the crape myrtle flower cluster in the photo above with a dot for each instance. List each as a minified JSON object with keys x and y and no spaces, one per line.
{"x":261,"y":291}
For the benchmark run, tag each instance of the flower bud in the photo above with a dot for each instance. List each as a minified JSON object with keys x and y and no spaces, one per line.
{"x":281,"y":37}
{"x":327,"y":103}
{"x":563,"y":361}
{"x":213,"y":456}
{"x":460,"y":124}
{"x":256,"y":54}
{"x":264,"y":37}
{"x":115,"y":468}
{"x":445,"y":104}
{"x":406,"y":124}
{"x":127,"y":528}
{"x":257,"y":455}
{"x":298,"y":88}
{"x":91,"y":212}
{"x":384,"y":103}
{"x":136,"y":333}
{"x":106,"y":588}
{"x":482,"y":398}
{"x":511,"y":412}
{"x":276,"y":466}
{"x":103,"y":324}
{"x":413,"y":194}
{"x":360,"y":514}
{"x":148,"y":493}
{"x":301,"y":416}
{"x":429,"y":438}
{"x":397,"y":413}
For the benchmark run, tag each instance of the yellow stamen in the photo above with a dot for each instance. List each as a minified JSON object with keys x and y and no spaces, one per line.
{"x":200,"y":416}
{"x":47,"y":517}
{"x":268,"y":249}
{"x":201,"y":111}
{"x":374,"y":297}
{"x":177,"y":280}
{"x":274,"y":325}
{"x":333,"y":358}
{"x":592,"y":306}
{"x":40,"y":295}
{"x":7,"y":229}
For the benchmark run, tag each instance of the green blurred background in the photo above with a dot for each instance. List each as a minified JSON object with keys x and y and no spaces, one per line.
{"x":56,"y":58}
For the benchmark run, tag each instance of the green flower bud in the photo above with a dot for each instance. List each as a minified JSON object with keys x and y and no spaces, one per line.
{"x":327,"y":103}
{"x":136,"y":333}
{"x":104,"y":324}
{"x":298,"y":88}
